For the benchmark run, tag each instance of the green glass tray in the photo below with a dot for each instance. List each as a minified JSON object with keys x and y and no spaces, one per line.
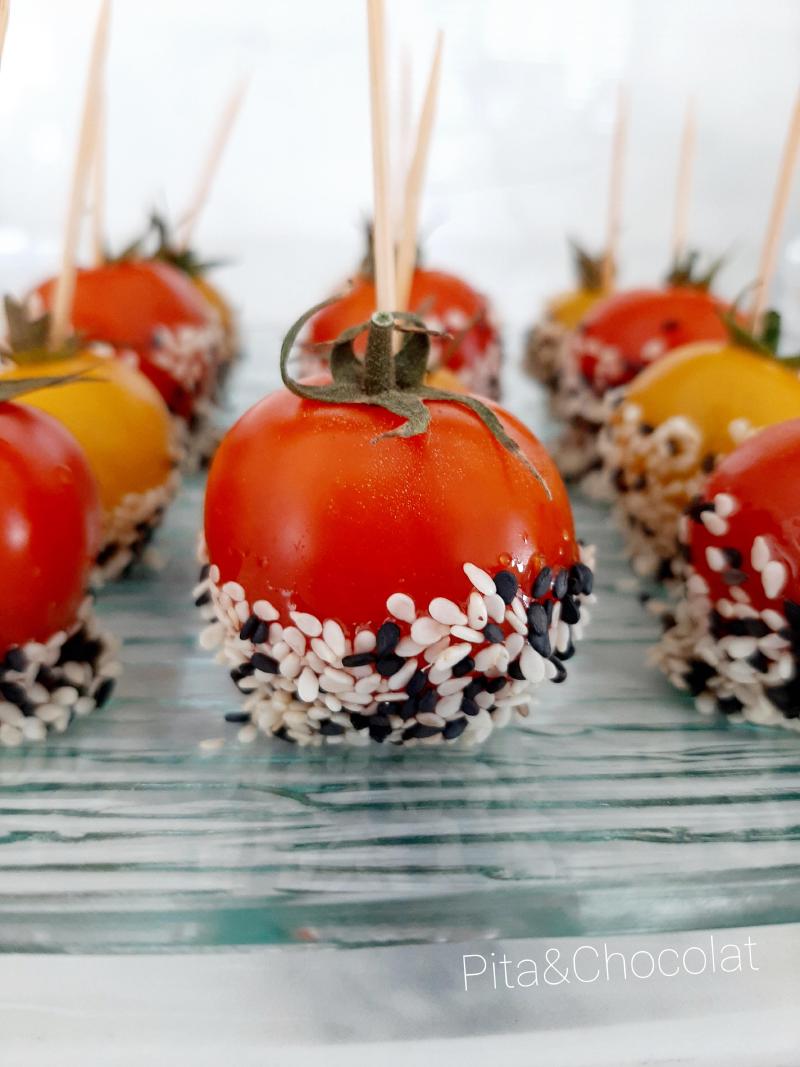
{"x":616,"y":808}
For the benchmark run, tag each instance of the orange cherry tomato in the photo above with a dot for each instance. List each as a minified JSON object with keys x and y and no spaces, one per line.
{"x":154,"y":310}
{"x":119,"y":420}
{"x":49,"y":526}
{"x":304,"y":507}
{"x":623,"y":334}
{"x":444,"y":301}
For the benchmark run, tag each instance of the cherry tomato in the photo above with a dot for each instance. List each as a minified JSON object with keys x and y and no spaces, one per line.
{"x":49,"y":526}
{"x":119,"y":420}
{"x":154,"y":310}
{"x":629,"y":330}
{"x":570,"y":308}
{"x":443,"y":301}
{"x":760,"y":477}
{"x":306,"y":509}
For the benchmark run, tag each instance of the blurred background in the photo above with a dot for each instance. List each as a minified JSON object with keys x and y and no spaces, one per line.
{"x":519,"y":159}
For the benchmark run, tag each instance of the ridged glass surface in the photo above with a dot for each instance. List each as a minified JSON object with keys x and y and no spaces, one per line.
{"x":616,"y":808}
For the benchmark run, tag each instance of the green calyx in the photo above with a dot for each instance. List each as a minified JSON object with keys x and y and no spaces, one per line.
{"x":589,"y":269}
{"x":14,"y":388}
{"x":28,"y":338}
{"x":158,"y":242}
{"x":685,"y":272}
{"x":763,"y":339}
{"x":394,"y":381}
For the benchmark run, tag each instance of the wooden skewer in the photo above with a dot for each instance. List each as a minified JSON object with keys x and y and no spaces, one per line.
{"x":5,"y":7}
{"x":402,"y":145}
{"x":65,"y":287}
{"x":99,"y":186}
{"x":407,"y":253}
{"x":227,"y":120}
{"x":780,"y":202}
{"x":385,"y":293}
{"x":615,"y":187}
{"x":683,"y":187}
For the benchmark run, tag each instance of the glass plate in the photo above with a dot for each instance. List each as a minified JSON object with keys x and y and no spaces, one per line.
{"x":616,"y":808}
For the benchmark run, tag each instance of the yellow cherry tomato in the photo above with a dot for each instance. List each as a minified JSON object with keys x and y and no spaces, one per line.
{"x":220,"y":304}
{"x":571,"y":308}
{"x":714,"y":385}
{"x":121,"y":421}
{"x":442,"y":378}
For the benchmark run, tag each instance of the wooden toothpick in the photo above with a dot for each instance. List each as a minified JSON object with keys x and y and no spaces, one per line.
{"x":780,"y":202}
{"x":99,"y":186}
{"x":683,"y":188}
{"x":407,"y":252}
{"x":385,"y":293}
{"x":65,"y":286}
{"x":615,"y":187}
{"x":5,"y":7}
{"x":222,"y":133}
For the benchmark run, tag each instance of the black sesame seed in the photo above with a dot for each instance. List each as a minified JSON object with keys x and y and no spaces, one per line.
{"x":384,"y":710}
{"x":561,"y":672}
{"x":733,"y":556}
{"x":542,"y":583}
{"x":283,"y":734}
{"x":464,"y":666}
{"x":204,"y":571}
{"x":570,"y":611}
{"x":664,"y":572}
{"x":734,"y":577}
{"x":388,"y":665}
{"x":406,"y":709}
{"x":249,"y":628}
{"x":494,"y":685}
{"x":729,"y":705}
{"x":416,"y":683}
{"x":646,"y":428}
{"x":786,"y":698}
{"x":493,"y":634}
{"x":469,"y":706}
{"x":265,"y":663}
{"x":640,"y":484}
{"x":244,"y":670}
{"x":359,"y":721}
{"x":382,"y":718}
{"x":204,"y":598}
{"x":537,"y":619}
{"x":428,"y":700}
{"x":560,"y":584}
{"x":515,"y":671}
{"x":420,"y":730}
{"x":387,"y":638}
{"x":46,"y":677}
{"x":568,"y":653}
{"x":506,"y":585}
{"x":708,"y":463}
{"x":758,"y":661}
{"x":358,"y":659}
{"x":792,"y":613}
{"x":697,"y":506}
{"x":620,"y":483}
{"x":13,"y":692}
{"x":455,"y":728}
{"x":548,"y":609}
{"x":261,"y":634}
{"x":237,"y":716}
{"x":698,"y":676}
{"x":540,"y":643}
{"x":15,"y":660}
{"x":477,"y":685}
{"x":103,"y":692}
{"x":329,"y":728}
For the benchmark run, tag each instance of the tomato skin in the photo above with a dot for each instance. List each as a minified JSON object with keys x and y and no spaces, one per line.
{"x":306,"y":509}
{"x":639,"y":325}
{"x":570,"y":308}
{"x":761,"y":475}
{"x":49,"y":526}
{"x":123,"y":303}
{"x":120,"y":421}
{"x":441,"y":299}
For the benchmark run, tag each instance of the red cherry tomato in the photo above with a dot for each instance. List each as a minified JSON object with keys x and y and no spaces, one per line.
{"x":154,"y":310}
{"x":306,"y":509}
{"x":761,"y":477}
{"x":443,"y":301}
{"x":629,"y":330}
{"x":49,"y":526}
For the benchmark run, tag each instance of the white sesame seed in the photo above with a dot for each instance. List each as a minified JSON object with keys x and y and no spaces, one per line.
{"x":265,"y":611}
{"x":519,"y":610}
{"x":431,"y":718}
{"x":211,"y":744}
{"x":739,"y":594}
{"x":773,"y":619}
{"x":309,"y":624}
{"x":248,"y":733}
{"x":324,"y":651}
{"x":714,"y":523}
{"x":479,"y":578}
{"x":280,"y":649}
{"x":773,"y":578}
{"x":453,"y":685}
{"x":532,"y":664}
{"x":290,"y":665}
{"x":477,"y":616}
{"x":786,"y":667}
{"x":447,"y":705}
{"x":406,"y":672}
{"x":307,"y":685}
{"x":495,"y":607}
{"x":453,"y":655}
{"x":295,"y":639}
{"x":211,"y":636}
{"x":401,"y":607}
{"x":213,"y":573}
{"x":432,"y":652}
{"x":336,"y":680}
{"x":487,"y":657}
{"x":514,"y":644}
{"x":446,"y":612}
{"x":726,"y":505}
{"x":466,"y":633}
{"x":333,"y":636}
{"x":740,"y":647}
{"x":407,"y":648}
{"x":369,"y":684}
{"x":332,"y":703}
{"x":275,"y":633}
{"x":484,"y":700}
{"x":437,"y":675}
{"x":426,"y":631}
{"x":11,"y":714}
{"x":364,"y":641}
{"x":233,"y":590}
{"x":716,"y":558}
{"x":242,"y":611}
{"x":65,"y":695}
{"x":516,"y":623}
{"x":760,"y":553}
{"x":503,"y":659}
{"x":33,"y":729}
